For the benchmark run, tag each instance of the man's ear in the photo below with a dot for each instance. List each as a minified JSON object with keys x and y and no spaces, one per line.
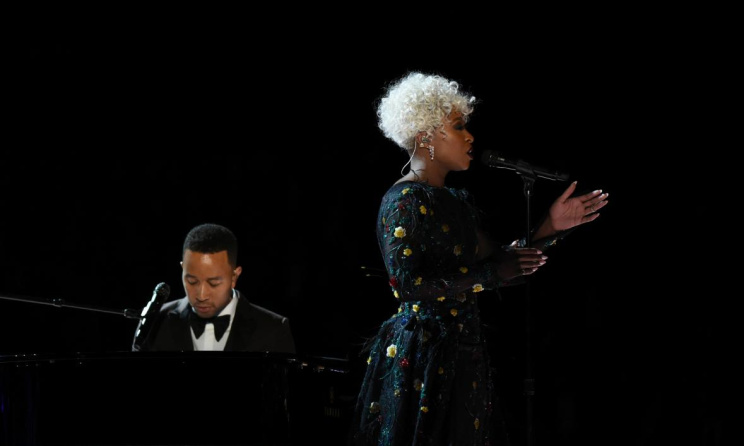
{"x":236,"y":273}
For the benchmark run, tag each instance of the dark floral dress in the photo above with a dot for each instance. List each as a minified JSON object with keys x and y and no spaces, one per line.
{"x":428,"y":380}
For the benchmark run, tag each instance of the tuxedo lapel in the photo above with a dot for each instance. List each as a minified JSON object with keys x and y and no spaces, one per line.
{"x":243,"y":326}
{"x":180,"y":329}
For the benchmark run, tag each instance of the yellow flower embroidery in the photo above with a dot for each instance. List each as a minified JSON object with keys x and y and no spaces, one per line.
{"x":422,"y":209}
{"x":477,"y":288}
{"x":417,"y":384}
{"x":476,"y":423}
{"x":418,"y":281}
{"x":400,"y":309}
{"x":424,"y":409}
{"x":441,"y":298}
{"x":400,"y":232}
{"x":407,"y":252}
{"x":463,"y":269}
{"x":395,"y":293}
{"x":441,"y":370}
{"x":405,"y":191}
{"x":396,"y":392}
{"x":415,"y":308}
{"x":369,"y":360}
{"x":383,"y":220}
{"x":453,"y":312}
{"x":457,"y":250}
{"x":445,"y":227}
{"x":374,"y":407}
{"x":391,"y":351}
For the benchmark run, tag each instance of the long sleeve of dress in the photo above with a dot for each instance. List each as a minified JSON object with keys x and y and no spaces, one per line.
{"x":428,"y":241}
{"x":427,"y":367}
{"x":544,"y":243}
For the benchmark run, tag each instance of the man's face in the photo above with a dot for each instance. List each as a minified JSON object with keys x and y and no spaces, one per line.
{"x":208,"y":280}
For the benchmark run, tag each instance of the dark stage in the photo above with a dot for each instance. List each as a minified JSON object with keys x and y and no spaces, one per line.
{"x":116,"y":145}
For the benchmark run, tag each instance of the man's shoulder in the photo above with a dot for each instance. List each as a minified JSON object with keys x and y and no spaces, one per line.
{"x":265,"y":312}
{"x":259,"y":312}
{"x":255,"y":308}
{"x":174,"y":305}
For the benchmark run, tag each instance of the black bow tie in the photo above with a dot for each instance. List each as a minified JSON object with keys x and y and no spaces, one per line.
{"x":220,"y":324}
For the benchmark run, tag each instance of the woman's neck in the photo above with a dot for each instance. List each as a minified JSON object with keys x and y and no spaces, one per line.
{"x":420,"y":177}
{"x":425,"y":174}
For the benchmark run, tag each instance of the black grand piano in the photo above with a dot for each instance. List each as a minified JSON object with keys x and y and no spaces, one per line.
{"x":169,"y":398}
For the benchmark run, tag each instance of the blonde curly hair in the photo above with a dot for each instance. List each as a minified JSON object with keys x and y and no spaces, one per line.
{"x":419,"y":102}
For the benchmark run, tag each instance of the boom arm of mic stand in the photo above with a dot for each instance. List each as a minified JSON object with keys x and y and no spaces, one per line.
{"x":59,"y":303}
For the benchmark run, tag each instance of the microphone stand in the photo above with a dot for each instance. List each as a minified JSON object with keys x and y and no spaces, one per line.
{"x":529,"y":175}
{"x":529,"y":381}
{"x":128,"y":312}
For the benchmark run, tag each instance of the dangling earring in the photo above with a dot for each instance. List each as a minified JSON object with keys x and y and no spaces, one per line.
{"x":425,"y":143}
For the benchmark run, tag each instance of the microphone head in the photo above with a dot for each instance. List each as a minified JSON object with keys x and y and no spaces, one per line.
{"x":162,"y":291}
{"x":486,"y":157}
{"x":492,"y":158}
{"x":149,"y":315}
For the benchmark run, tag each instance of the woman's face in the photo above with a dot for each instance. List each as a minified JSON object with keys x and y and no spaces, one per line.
{"x":453,"y":143}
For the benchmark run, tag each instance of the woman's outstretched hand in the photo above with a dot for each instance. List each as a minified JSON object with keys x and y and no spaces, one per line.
{"x":567,"y":212}
{"x":519,"y":262}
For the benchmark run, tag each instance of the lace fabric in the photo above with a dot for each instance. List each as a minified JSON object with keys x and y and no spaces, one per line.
{"x":428,"y":378}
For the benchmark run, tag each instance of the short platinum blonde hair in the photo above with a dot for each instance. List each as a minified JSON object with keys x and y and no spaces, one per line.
{"x":419,"y":103}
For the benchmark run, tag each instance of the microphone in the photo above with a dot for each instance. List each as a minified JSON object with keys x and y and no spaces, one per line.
{"x":493,"y":159}
{"x":149,"y":315}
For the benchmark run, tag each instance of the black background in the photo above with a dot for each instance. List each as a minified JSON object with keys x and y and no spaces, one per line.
{"x":120,"y":139}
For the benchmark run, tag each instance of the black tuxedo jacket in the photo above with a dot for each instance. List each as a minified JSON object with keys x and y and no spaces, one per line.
{"x":254,"y":329}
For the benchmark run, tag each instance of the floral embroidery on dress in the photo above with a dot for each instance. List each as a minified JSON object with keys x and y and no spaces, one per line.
{"x":410,"y":392}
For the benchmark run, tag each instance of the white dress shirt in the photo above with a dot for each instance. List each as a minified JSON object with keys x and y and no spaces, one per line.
{"x":208,"y":341}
